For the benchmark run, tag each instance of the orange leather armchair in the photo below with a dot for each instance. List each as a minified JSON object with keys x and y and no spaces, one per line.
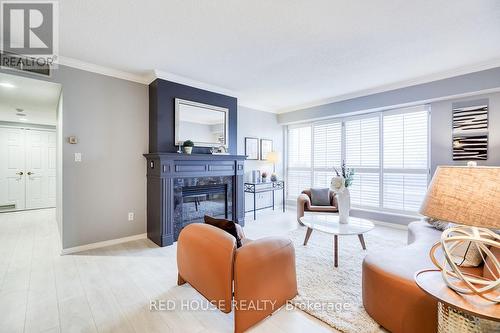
{"x":304,"y":205}
{"x":263,"y":272}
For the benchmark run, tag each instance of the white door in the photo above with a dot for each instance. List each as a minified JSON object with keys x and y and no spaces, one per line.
{"x":40,"y":169}
{"x":12,"y":172}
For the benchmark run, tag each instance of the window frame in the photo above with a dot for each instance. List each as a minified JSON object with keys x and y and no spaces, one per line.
{"x":380,"y":170}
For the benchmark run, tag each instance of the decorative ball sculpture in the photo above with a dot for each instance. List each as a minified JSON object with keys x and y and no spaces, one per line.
{"x":459,"y":281}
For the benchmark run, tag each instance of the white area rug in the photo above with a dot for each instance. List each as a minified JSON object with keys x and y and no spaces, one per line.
{"x":338,"y":290}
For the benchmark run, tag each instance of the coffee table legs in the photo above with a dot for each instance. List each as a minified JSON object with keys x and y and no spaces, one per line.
{"x":308,"y":234}
{"x":336,"y":250}
{"x":362,"y":241}
{"x":335,"y":245}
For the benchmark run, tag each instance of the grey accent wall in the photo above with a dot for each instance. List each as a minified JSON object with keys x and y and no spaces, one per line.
{"x":440,"y":89}
{"x":110,"y":118}
{"x":441,"y":131}
{"x":264,"y":125}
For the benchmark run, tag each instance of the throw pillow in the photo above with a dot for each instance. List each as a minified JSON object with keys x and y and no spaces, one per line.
{"x":320,"y":196}
{"x":437,"y":224}
{"x":226,"y":225}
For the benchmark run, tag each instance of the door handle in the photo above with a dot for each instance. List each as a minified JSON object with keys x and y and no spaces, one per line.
{"x":20,"y":173}
{"x":30,"y":173}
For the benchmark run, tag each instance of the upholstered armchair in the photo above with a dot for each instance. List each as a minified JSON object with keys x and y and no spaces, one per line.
{"x":255,"y":279}
{"x":304,"y":205}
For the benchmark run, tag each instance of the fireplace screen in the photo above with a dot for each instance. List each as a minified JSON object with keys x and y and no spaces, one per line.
{"x":197,"y":197}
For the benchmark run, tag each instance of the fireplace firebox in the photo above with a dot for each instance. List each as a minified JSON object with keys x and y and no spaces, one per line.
{"x":196,"y":197}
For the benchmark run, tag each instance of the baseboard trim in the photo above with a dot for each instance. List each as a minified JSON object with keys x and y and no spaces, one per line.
{"x":390,"y":224}
{"x":102,"y":244}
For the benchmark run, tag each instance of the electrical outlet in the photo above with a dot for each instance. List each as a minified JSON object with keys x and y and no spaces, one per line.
{"x":130,"y":216}
{"x":78,"y":157}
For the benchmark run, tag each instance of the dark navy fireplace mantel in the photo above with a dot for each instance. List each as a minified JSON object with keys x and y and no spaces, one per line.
{"x":165,"y":168}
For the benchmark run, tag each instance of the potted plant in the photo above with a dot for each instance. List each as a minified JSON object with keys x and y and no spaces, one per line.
{"x":264,"y":176}
{"x":188,"y":146}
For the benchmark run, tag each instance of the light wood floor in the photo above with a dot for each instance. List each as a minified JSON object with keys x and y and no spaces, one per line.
{"x":109,"y":289}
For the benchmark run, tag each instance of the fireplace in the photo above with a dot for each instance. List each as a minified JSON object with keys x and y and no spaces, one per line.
{"x":183,"y":188}
{"x":195,"y":197}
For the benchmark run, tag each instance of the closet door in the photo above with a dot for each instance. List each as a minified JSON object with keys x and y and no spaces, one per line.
{"x":12,"y":172}
{"x":40,"y":169}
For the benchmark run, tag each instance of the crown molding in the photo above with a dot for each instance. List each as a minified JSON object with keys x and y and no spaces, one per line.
{"x":158,"y":74}
{"x":93,"y":68}
{"x":242,"y":101}
{"x":397,"y":85}
{"x":246,"y":102}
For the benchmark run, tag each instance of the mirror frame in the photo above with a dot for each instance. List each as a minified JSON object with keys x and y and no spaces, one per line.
{"x":225,"y":111}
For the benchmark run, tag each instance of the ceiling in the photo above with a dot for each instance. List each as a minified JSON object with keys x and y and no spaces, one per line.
{"x":38,"y":99}
{"x":281,"y":55}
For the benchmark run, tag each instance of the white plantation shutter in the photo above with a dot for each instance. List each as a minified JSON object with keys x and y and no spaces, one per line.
{"x":299,"y":147}
{"x":388,"y":150}
{"x":405,"y":141}
{"x":404,"y":192}
{"x":299,"y":160}
{"x":362,"y":138}
{"x":297,"y":182}
{"x":327,"y":152}
{"x":365,"y":190}
{"x":362,"y":142}
{"x":405,"y":160}
{"x":327,"y":145}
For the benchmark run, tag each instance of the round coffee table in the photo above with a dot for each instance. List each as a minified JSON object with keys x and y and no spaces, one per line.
{"x":329,"y":223}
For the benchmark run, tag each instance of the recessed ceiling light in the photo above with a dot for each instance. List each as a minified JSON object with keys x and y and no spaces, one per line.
{"x":19,"y":110}
{"x":23,"y":119}
{"x":7,"y":85}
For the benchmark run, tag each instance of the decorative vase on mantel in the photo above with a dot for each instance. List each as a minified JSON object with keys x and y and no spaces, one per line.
{"x":344,"y":205}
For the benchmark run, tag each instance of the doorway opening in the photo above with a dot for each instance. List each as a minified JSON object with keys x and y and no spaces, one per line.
{"x":29,"y":147}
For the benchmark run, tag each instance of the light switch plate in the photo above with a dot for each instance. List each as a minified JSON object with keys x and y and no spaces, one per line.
{"x":130,"y":216}
{"x":78,"y":157}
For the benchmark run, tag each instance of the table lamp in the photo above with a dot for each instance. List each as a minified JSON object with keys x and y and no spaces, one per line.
{"x":274,"y":158}
{"x":470,"y":197}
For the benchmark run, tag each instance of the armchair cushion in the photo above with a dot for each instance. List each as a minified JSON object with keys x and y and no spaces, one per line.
{"x":320,"y":196}
{"x":327,"y":209}
{"x":226,"y":225}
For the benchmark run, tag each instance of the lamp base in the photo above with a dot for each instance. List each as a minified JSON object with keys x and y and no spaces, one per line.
{"x":459,"y":281}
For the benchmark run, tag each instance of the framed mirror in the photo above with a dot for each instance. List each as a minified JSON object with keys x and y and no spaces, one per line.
{"x":205,"y":125}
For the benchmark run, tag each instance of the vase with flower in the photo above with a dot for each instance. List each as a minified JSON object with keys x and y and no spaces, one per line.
{"x":340,"y":186}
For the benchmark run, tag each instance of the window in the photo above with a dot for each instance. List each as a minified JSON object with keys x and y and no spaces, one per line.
{"x":405,"y":160}
{"x":389,"y":151}
{"x":362,"y":154}
{"x":299,"y":159}
{"x":327,"y":151}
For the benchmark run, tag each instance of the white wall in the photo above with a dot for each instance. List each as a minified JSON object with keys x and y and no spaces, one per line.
{"x":262,"y":125}
{"x":109,"y":116}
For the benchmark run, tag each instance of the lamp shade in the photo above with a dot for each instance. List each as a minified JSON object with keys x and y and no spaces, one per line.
{"x":464,"y":195}
{"x":273,"y":157}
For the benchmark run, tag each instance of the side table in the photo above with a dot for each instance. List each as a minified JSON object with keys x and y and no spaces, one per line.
{"x":458,"y":312}
{"x":261,"y":187}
